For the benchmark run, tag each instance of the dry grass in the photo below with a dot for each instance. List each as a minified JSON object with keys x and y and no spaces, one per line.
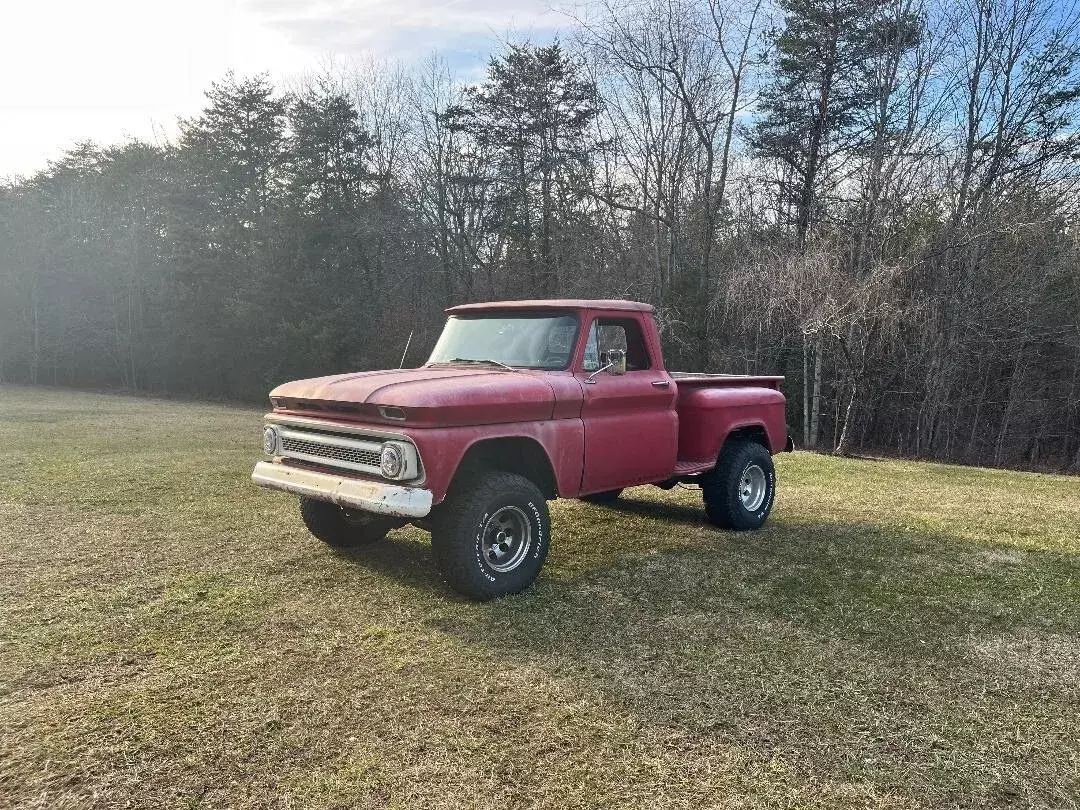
{"x":900,"y":635}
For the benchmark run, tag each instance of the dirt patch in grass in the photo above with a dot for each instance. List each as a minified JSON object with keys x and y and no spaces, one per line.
{"x":899,"y":635}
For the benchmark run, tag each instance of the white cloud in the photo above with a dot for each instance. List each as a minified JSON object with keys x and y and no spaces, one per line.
{"x":109,"y":69}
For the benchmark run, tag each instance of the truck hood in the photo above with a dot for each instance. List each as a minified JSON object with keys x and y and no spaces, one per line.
{"x":428,"y":396}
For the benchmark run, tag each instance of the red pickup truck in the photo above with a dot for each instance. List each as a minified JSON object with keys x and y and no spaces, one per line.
{"x":521,"y":402}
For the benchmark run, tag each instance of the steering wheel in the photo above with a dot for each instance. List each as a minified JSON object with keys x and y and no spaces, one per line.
{"x":557,"y":351}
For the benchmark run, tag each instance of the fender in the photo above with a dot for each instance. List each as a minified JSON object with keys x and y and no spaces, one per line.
{"x":562,"y":442}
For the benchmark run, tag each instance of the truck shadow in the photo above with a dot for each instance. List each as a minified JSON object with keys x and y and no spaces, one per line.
{"x":659,"y":510}
{"x":404,"y":556}
{"x":853,"y":652}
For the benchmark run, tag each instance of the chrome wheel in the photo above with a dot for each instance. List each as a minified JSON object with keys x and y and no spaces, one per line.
{"x":752,"y":487}
{"x":506,"y":539}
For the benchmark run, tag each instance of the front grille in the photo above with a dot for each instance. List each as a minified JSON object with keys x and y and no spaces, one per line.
{"x":347,"y":452}
{"x":353,"y":455}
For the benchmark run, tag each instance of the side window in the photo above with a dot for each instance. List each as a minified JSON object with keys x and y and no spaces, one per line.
{"x":609,"y":333}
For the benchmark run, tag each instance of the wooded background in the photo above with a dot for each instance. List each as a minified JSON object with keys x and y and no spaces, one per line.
{"x":876,"y":198}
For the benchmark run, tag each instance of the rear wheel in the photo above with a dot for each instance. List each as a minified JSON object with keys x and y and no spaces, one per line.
{"x":610,"y":496}
{"x":491,"y":536}
{"x":739,"y":491}
{"x":340,"y":527}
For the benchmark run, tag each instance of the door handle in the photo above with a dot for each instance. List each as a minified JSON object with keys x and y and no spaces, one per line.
{"x":661,"y":383}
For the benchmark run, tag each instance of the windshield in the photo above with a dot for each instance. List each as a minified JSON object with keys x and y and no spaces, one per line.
{"x":530,"y":341}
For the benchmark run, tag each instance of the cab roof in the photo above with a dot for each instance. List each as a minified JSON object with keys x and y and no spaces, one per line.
{"x":553,"y":303}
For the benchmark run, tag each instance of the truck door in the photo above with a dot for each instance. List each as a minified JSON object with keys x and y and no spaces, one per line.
{"x":631,"y":428}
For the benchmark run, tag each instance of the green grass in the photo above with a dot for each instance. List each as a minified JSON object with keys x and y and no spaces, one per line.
{"x":899,"y":635}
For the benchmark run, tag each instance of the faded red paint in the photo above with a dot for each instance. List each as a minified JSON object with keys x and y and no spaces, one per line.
{"x":642,"y":427}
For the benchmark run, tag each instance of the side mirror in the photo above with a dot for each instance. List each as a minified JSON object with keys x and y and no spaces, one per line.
{"x":616,"y":365}
{"x":616,"y":360}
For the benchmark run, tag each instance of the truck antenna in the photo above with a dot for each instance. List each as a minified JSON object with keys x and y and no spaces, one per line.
{"x":407,"y":342}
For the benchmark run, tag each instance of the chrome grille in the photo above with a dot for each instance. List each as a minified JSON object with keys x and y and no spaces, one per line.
{"x":353,"y":455}
{"x":331,"y":450}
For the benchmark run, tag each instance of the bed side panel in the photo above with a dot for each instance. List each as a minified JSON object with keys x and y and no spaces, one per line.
{"x":708,"y":415}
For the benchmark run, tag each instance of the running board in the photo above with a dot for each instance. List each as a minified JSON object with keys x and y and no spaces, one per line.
{"x":692,"y":468}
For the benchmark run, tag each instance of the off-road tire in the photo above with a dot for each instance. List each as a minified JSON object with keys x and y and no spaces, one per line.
{"x":330,"y":523}
{"x":720,"y":487}
{"x":459,"y":528}
{"x":610,"y":496}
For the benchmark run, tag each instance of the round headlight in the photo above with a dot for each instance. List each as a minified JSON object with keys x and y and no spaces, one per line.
{"x":392,"y":461}
{"x":270,"y":441}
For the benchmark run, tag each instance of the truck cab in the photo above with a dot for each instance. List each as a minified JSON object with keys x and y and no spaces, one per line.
{"x":520,"y":402}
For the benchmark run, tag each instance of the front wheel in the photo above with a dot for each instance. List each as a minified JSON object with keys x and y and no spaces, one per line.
{"x":739,"y":491}
{"x":342,"y":528}
{"x":491,"y":537}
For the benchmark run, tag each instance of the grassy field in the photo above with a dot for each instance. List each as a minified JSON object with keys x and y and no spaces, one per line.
{"x":900,"y":635}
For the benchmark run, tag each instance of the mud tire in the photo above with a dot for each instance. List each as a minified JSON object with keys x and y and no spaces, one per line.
{"x":334,"y":526}
{"x":461,"y":533}
{"x":721,"y":486}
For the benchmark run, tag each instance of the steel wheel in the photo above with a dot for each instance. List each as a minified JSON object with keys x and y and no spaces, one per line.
{"x":752,"y":487}
{"x":738,"y":492}
{"x":506,"y":539}
{"x":490,"y":536}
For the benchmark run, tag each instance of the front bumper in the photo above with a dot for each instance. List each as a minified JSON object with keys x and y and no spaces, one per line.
{"x":368,"y":496}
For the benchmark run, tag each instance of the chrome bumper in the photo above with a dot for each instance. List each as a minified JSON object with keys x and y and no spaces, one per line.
{"x":368,"y":496}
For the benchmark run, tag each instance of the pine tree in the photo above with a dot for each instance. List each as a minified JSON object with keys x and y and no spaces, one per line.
{"x":227,"y":174}
{"x":811,"y":112}
{"x":533,"y":113}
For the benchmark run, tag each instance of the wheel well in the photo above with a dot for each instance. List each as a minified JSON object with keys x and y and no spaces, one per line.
{"x":513,"y":454}
{"x":753,"y":433}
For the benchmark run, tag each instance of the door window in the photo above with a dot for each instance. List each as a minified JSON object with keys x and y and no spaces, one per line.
{"x":615,"y":333}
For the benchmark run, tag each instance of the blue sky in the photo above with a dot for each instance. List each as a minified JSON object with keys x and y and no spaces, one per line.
{"x":111,"y":69}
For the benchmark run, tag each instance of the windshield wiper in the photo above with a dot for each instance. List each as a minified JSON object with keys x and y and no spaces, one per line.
{"x":472,"y":360}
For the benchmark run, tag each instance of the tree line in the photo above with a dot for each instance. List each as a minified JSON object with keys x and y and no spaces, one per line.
{"x":877,"y":198}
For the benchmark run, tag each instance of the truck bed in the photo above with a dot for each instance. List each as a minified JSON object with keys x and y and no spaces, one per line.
{"x":712,"y":406}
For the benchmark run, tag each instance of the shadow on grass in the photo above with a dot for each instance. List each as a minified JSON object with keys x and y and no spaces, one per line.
{"x":912,"y":662}
{"x":403,"y":557}
{"x":659,"y":510}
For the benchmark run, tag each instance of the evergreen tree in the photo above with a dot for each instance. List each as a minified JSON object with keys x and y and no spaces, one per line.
{"x":812,"y":110}
{"x":328,"y":149}
{"x":226,"y":175}
{"x":533,"y":113}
